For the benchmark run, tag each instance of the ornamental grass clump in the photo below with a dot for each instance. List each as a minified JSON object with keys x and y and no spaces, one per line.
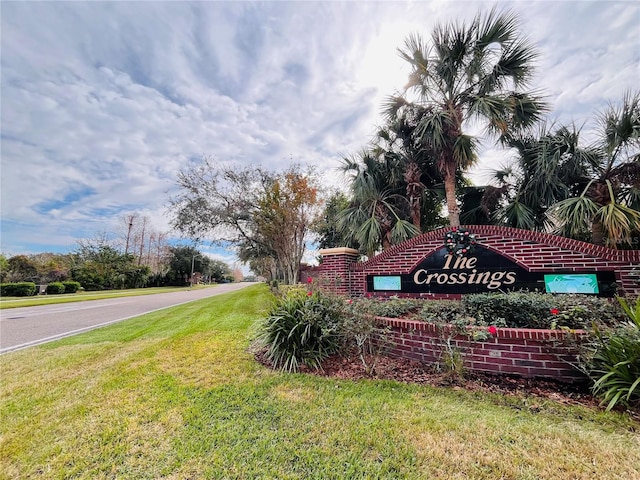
{"x":612,"y":360}
{"x":302,"y":328}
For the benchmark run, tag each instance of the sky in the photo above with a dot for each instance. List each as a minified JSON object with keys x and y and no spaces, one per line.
{"x":102,"y":103}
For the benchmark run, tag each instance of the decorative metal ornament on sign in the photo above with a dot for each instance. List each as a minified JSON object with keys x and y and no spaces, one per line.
{"x":459,"y":242}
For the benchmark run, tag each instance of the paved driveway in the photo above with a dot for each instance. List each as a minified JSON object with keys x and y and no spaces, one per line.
{"x":28,"y":326}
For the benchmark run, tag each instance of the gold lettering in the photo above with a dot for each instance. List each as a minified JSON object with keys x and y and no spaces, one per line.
{"x":459,"y":263}
{"x":416,"y":277}
{"x":447,"y":262}
{"x":483,"y":278}
{"x":431,"y":275}
{"x":495,"y":280}
{"x":492,"y":280}
{"x":473,"y":275}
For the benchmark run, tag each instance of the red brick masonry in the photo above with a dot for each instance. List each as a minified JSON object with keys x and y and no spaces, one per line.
{"x":530,"y":353}
{"x":534,"y":251}
{"x":518,"y":351}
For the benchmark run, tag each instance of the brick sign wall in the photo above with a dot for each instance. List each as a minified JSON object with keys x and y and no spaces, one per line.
{"x":524,"y":255}
{"x":504,"y":259}
{"x":513,"y":351}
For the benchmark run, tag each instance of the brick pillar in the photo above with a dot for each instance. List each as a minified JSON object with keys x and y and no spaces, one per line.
{"x":334,"y":269}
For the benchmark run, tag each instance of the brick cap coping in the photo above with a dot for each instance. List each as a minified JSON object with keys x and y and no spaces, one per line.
{"x":339,"y":251}
{"x":631,"y":256}
{"x":526,"y":333}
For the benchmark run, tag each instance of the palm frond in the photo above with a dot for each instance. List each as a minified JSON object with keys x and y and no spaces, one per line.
{"x":403,"y":230}
{"x":617,"y":221}
{"x":464,"y":151}
{"x":518,"y":215}
{"x":574,"y":216}
{"x":392,"y":105}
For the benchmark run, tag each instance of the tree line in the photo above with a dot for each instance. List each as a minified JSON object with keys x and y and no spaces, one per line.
{"x":136,"y":256}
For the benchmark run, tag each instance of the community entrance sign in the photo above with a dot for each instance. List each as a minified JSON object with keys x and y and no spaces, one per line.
{"x":481,"y":259}
{"x":483,"y":271}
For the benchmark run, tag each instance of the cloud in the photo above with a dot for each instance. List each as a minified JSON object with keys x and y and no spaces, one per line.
{"x":104,"y":102}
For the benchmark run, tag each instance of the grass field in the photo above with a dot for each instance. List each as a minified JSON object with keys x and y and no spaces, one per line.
{"x":15,"y":302}
{"x":175,"y":394}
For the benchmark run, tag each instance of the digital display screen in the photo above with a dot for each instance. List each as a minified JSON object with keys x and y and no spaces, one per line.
{"x":387,"y":283}
{"x":571,"y":283}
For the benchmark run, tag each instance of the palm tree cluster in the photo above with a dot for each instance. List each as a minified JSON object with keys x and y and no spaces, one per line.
{"x":479,"y":74}
{"x":589,"y":193}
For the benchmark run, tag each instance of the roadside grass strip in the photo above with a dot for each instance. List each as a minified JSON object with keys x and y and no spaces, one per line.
{"x":16,"y":302}
{"x":176,"y":395}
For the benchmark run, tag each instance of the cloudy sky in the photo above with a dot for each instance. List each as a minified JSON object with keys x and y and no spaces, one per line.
{"x":103,"y":102}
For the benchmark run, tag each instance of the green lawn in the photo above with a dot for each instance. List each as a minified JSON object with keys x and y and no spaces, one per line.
{"x":15,"y":302}
{"x":175,"y":394}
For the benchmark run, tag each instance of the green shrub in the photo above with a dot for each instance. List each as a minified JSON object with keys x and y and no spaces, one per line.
{"x":19,"y":289}
{"x":303,"y":328}
{"x":283,"y":290}
{"x":632,"y":312}
{"x":362,"y":333}
{"x":55,"y":288}
{"x":517,"y":309}
{"x":392,"y":307}
{"x":581,"y":311}
{"x":612,"y":360}
{"x":71,"y":287}
{"x":442,"y":311}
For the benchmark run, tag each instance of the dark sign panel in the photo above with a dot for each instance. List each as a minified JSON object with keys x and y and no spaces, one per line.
{"x":480,"y":271}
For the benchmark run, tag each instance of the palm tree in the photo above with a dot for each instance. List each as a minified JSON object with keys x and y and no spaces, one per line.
{"x":609,"y":204}
{"x":422,"y":180}
{"x":468,"y":72}
{"x":550,"y":166}
{"x":377,"y":214}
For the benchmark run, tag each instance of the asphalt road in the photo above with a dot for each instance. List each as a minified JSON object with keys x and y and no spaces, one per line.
{"x":28,"y":326}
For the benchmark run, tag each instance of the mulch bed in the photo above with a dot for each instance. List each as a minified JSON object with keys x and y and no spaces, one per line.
{"x":408,"y":371}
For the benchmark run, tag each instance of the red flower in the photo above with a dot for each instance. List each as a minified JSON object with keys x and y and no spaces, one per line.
{"x":554,"y":311}
{"x":309,"y":294}
{"x":493,"y":330}
{"x":309,"y":280}
{"x":349,"y":301}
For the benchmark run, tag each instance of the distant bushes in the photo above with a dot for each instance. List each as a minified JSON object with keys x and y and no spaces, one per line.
{"x":28,"y":289}
{"x":19,"y":289}
{"x":71,"y":287}
{"x":55,"y":288}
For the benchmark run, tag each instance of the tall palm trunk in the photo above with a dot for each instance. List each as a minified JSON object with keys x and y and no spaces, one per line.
{"x":449,"y":163}
{"x":597,"y":234}
{"x":414,"y":192}
{"x":452,"y":201}
{"x":385,"y":226}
